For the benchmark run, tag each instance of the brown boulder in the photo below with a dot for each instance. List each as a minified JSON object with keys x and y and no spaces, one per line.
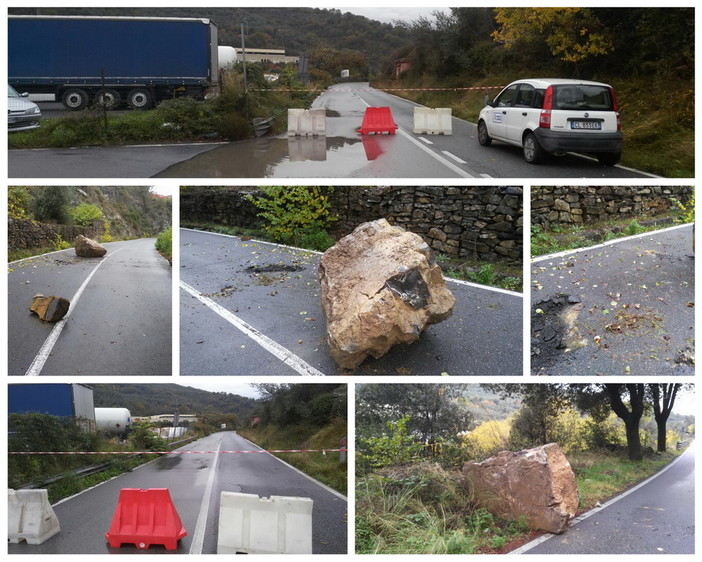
{"x":538,"y":484}
{"x":51,"y":309}
{"x":380,"y":286}
{"x":87,"y":248}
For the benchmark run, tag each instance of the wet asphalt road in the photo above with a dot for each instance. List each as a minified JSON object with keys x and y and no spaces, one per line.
{"x":658,"y":518}
{"x":482,"y":337}
{"x":120,"y":325}
{"x":85,"y":518}
{"x":342,"y":153}
{"x":637,"y":297}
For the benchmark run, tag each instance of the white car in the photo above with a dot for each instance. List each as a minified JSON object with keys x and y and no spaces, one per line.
{"x":22,"y":113}
{"x":554,"y":116}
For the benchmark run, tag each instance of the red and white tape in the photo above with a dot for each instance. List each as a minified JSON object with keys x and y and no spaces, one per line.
{"x":171,"y":452}
{"x":378,"y":89}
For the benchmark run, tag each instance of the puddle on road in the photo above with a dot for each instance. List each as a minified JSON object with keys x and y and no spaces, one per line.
{"x":283,"y":157}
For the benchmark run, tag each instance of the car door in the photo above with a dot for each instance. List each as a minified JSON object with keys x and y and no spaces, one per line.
{"x":499,"y":113}
{"x":520,"y":116}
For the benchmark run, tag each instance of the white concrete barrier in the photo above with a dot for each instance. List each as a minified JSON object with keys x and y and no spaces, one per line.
{"x":30,"y":516}
{"x":304,"y":122}
{"x":432,"y":121}
{"x":252,"y":525}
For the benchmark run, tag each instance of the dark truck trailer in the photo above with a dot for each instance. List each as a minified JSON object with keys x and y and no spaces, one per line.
{"x":108,"y":60}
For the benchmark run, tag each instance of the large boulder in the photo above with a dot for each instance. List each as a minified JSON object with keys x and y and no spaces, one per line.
{"x":87,"y":248}
{"x":538,"y":484}
{"x":380,"y":286}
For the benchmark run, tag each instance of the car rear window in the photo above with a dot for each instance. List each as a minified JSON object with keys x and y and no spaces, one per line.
{"x":582,"y":97}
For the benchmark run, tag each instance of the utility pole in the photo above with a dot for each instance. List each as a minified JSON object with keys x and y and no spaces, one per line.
{"x":243,"y":56}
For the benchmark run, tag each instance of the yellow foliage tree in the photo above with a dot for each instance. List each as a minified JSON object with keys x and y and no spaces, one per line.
{"x":572,"y":34}
{"x":488,"y":438}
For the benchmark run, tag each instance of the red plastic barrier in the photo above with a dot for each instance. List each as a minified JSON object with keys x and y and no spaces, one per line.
{"x":378,"y":120}
{"x":145,"y":517}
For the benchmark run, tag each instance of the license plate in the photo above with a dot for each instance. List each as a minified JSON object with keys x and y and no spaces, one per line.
{"x":594,"y":125}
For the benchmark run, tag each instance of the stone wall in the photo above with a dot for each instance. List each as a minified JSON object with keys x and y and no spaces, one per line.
{"x":473,"y":222}
{"x":588,"y":205}
{"x":23,"y":234}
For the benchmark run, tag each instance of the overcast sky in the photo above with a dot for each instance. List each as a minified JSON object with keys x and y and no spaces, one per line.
{"x":219,"y":384}
{"x":391,"y":15}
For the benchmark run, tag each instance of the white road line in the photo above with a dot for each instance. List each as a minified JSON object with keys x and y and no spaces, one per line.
{"x":272,"y":347}
{"x":461,"y":172}
{"x":454,"y":157}
{"x":485,"y":287}
{"x":425,"y":140}
{"x":608,"y":243}
{"x":201,"y":524}
{"x":320,"y":484}
{"x":43,"y":355}
{"x":526,"y":547}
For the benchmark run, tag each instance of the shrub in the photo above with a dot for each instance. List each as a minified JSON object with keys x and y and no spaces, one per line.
{"x":85,"y":213}
{"x":164,"y":243}
{"x":294,"y":213}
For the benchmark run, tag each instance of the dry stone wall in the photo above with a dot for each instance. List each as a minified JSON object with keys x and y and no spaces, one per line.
{"x":473,"y":222}
{"x":23,"y":234}
{"x":586,"y":205}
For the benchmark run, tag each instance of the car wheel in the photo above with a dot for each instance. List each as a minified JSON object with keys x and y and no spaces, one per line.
{"x":609,"y":158}
{"x":139,"y":98}
{"x":484,"y":137}
{"x":533,"y":153}
{"x":74,"y":99}
{"x":109,"y":99}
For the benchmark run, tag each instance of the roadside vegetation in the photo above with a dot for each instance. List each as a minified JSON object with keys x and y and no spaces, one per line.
{"x":164,"y":244}
{"x":555,"y":237}
{"x":304,"y":417}
{"x":413,"y":439}
{"x":629,"y":48}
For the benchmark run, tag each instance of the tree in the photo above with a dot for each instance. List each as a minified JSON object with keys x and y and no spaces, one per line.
{"x":631,"y":416}
{"x":433,"y":409}
{"x":572,"y":34}
{"x":663,"y":398}
{"x":52,"y":203}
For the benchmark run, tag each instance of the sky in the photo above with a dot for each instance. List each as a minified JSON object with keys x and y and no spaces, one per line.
{"x":391,"y":15}
{"x":219,"y":384}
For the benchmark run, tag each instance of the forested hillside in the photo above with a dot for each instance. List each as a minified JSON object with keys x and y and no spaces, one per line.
{"x":152,"y":399}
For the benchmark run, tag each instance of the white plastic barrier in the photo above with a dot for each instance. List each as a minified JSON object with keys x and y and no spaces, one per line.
{"x":305,"y":122}
{"x":432,"y":121}
{"x":30,"y":516}
{"x":252,"y":525}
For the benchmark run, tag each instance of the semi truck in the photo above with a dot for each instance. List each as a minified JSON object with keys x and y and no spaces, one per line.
{"x":84,"y":60}
{"x":60,"y":399}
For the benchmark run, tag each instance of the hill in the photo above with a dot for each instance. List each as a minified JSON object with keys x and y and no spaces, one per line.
{"x":152,"y":399}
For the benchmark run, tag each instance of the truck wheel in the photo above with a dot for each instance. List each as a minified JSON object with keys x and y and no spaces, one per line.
{"x":74,"y":99}
{"x":109,"y":99}
{"x":139,"y":98}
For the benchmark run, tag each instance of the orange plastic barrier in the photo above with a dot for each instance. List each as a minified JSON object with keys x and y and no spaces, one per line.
{"x":145,"y":517}
{"x":378,"y":120}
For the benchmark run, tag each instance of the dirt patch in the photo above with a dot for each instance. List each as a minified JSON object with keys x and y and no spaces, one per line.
{"x":273,"y":268}
{"x":226,"y":291}
{"x":554,"y":329}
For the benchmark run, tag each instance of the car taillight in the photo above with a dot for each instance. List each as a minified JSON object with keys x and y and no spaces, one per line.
{"x":615,"y":107}
{"x":545,"y":117}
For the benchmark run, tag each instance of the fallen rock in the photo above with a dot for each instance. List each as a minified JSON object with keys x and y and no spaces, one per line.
{"x":88,"y":248}
{"x":538,"y":484}
{"x":380,"y":286}
{"x":51,"y":309}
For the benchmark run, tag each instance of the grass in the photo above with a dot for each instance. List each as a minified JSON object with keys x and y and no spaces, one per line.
{"x":326,"y":468}
{"x":422,"y":509}
{"x":601,"y":476}
{"x":558,"y":238}
{"x":503,"y":275}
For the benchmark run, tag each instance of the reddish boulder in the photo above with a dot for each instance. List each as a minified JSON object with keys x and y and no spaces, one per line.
{"x":538,"y":484}
{"x":87,"y":248}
